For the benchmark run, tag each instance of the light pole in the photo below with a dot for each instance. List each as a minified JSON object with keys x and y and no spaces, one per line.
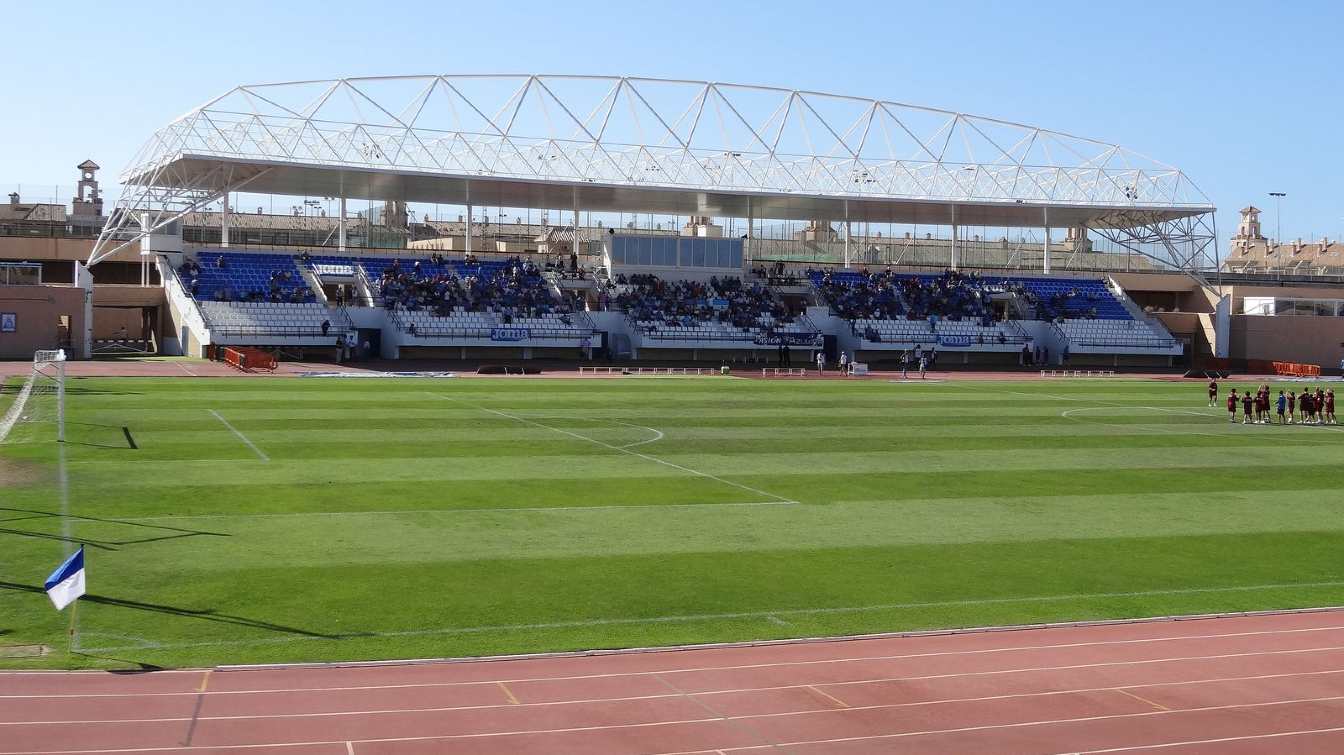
{"x":1278,"y":215}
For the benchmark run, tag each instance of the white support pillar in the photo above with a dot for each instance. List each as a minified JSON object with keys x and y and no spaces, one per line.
{"x":574,"y":244}
{"x":751,"y":233}
{"x":224,"y":223}
{"x":1045,"y":246}
{"x":954,"y":238}
{"x":340,"y":228}
{"x":467,"y":242}
{"x":846,"y":234}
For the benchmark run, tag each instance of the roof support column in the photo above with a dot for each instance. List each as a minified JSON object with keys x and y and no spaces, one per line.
{"x":1045,"y":246}
{"x":574,"y":243}
{"x":468,"y":239}
{"x":846,"y":234}
{"x":953,"y":264}
{"x":751,"y":232}
{"x":224,"y":223}
{"x":340,"y":227}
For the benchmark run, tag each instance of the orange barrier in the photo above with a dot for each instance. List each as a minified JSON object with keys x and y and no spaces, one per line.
{"x":248,"y":359}
{"x":1297,"y":370}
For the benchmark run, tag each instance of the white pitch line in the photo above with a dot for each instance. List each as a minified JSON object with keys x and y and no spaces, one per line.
{"x":685,"y":618}
{"x":471,"y":510}
{"x":619,"y":449}
{"x":241,"y":437}
{"x":657,"y":433}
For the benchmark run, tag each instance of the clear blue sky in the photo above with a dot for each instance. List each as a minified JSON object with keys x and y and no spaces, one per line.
{"x":1245,"y":97}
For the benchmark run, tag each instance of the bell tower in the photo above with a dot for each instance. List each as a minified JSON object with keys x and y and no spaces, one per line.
{"x":88,"y":200}
{"x":1249,"y":227}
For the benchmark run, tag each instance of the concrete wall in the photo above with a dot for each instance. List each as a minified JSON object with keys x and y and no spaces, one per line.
{"x":1304,"y":339}
{"x":37,"y":311}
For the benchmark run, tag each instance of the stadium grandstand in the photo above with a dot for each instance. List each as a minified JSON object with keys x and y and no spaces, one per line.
{"x":539,"y":217}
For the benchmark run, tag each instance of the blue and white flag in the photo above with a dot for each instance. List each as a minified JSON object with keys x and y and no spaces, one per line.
{"x":66,"y":584}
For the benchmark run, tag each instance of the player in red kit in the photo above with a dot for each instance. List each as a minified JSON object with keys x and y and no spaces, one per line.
{"x":1232,"y":406}
{"x":1247,"y":404}
{"x":1330,"y":407}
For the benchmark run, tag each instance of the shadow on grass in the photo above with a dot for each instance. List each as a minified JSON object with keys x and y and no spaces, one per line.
{"x":171,"y":533}
{"x":202,"y":615}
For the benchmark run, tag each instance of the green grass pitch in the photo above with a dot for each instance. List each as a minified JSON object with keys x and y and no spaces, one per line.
{"x":267,"y":520}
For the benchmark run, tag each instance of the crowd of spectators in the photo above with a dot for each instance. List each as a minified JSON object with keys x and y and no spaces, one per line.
{"x":887,"y":296}
{"x":726,"y":300}
{"x":1057,"y":307}
{"x":515,"y":289}
{"x":284,"y":286}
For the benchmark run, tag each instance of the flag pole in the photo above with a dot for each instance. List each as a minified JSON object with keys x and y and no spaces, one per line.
{"x":74,"y":627}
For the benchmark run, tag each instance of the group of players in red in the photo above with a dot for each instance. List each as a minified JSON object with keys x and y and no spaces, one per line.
{"x":1309,"y":408}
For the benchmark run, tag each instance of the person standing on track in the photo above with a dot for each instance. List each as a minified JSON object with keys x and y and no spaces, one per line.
{"x":1213,"y":392}
{"x":905,"y":364}
{"x":1232,"y":406}
{"x":923,"y":366}
{"x":821,"y":363}
{"x":1247,"y":404}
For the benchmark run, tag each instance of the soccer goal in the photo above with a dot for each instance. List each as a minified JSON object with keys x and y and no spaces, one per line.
{"x":41,"y":397}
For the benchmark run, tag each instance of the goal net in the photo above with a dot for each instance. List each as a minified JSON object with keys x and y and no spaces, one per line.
{"x":38,"y":404}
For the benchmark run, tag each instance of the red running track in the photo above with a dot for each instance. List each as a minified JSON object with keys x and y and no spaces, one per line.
{"x":1264,"y":683}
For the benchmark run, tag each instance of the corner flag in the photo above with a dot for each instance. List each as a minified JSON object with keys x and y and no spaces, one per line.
{"x":66,"y":584}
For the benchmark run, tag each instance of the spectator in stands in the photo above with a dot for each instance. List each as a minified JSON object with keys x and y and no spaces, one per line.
{"x":326,"y":326}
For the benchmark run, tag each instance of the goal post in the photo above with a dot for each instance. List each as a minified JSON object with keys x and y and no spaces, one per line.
{"x":43,"y":390}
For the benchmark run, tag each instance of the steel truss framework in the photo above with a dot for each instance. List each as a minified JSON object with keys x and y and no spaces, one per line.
{"x":647,"y":134}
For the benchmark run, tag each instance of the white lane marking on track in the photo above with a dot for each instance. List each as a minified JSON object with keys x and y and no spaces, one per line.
{"x":619,"y":449}
{"x":705,"y":693}
{"x":1188,"y":742}
{"x":1027,"y":724}
{"x":241,"y":437}
{"x":186,"y":369}
{"x":740,"y":615}
{"x":658,"y":434}
{"x":781,"y":664}
{"x":646,"y":725}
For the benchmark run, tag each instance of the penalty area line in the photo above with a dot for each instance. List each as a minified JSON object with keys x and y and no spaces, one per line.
{"x":260,"y":454}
